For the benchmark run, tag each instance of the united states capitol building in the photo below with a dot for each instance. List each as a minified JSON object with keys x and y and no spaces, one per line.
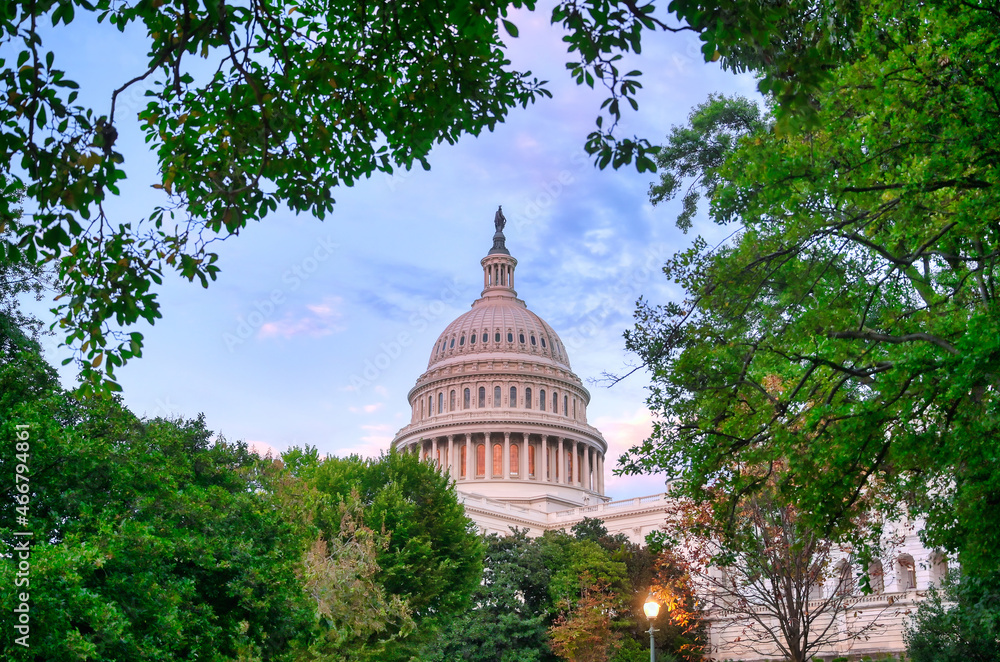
{"x":500,"y":409}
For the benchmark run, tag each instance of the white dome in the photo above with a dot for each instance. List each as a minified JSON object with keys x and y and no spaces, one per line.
{"x":499,"y":326}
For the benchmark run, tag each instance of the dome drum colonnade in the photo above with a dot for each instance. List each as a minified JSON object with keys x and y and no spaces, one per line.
{"x":499,"y":406}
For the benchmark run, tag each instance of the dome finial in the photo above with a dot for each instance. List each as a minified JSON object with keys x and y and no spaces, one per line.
{"x":499,"y":221}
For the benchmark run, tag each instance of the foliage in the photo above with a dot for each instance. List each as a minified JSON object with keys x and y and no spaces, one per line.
{"x":249,"y":106}
{"x":507,"y":622}
{"x":849,"y":328}
{"x":428,"y":556}
{"x":150,"y":540}
{"x":769,"y":578}
{"x":957,"y":622}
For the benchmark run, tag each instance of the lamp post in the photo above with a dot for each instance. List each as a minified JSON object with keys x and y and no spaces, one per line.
{"x":652,"y":608}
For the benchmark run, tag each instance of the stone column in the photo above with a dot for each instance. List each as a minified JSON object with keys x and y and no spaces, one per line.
{"x":586,"y":466}
{"x":560,"y":463}
{"x":469,"y":459}
{"x":451,"y":457}
{"x":506,"y":455}
{"x":600,"y":472}
{"x":488,"y":445}
{"x":577,"y":468}
{"x":434,"y":452}
{"x":522,"y":457}
{"x":545,"y":458}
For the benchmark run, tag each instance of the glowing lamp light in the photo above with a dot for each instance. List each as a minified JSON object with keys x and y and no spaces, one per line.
{"x":651,"y":607}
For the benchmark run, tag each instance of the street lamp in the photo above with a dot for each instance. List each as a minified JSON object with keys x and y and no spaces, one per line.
{"x":652,"y":608}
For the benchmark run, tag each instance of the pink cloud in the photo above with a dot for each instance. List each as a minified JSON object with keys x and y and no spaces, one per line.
{"x":322,"y":319}
{"x":264,"y":449}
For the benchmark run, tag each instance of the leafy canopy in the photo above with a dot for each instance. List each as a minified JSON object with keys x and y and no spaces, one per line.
{"x":849,"y":329}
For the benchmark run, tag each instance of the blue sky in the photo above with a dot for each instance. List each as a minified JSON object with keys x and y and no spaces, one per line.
{"x":315,"y":331}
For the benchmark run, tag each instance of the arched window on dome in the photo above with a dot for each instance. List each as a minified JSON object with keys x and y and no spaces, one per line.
{"x":543,"y":342}
{"x":486,"y":337}
{"x":555,"y":402}
{"x":497,"y":460}
{"x":565,"y":405}
{"x":520,"y":338}
{"x":482,"y":397}
{"x":440,"y":403}
{"x":515,"y":460}
{"x":461,"y":341}
{"x":513,"y":396}
{"x":451,"y":400}
{"x":531,"y":461}
{"x":541,"y":399}
{"x":472,"y":339}
{"x":574,"y":408}
{"x":452,"y":343}
{"x":467,"y":399}
{"x":527,"y":398}
{"x":533,"y":341}
{"x":422,"y":409}
{"x":510,"y":336}
{"x":430,"y":405}
{"x":497,"y":337}
{"x":496,"y":396}
{"x":463,"y":459}
{"x":481,"y":461}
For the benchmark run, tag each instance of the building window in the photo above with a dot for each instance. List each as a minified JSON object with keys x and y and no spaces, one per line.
{"x":513,"y":396}
{"x":486,"y":337}
{"x":906,"y":572}
{"x":876,"y":576}
{"x":845,"y":578}
{"x":498,"y":337}
{"x":472,"y":339}
{"x":515,"y":460}
{"x":482,"y":397}
{"x":574,"y":408}
{"x":440,"y":403}
{"x":520,"y":338}
{"x":451,"y":400}
{"x":532,"y":340}
{"x":430,"y":405}
{"x":531,"y":461}
{"x":555,"y":403}
{"x":497,"y":460}
{"x":463,"y":454}
{"x":496,"y":396}
{"x":510,"y":336}
{"x":541,"y":399}
{"x":461,"y":341}
{"x":543,"y":342}
{"x":452,"y":343}
{"x":527,"y":398}
{"x":481,"y":461}
{"x":565,"y":405}
{"x":421,"y":408}
{"x":467,"y":399}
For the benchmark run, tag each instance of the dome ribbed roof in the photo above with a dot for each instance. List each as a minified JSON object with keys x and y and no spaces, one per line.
{"x":523,"y":335}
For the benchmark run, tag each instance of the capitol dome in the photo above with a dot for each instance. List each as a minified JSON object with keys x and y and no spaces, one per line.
{"x":499,"y":406}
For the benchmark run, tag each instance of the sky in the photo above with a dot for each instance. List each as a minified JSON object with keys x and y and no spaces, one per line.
{"x":315,"y":331}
